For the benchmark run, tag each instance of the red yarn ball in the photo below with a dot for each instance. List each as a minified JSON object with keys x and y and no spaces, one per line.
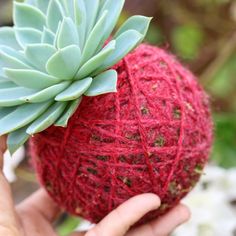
{"x":153,"y":135}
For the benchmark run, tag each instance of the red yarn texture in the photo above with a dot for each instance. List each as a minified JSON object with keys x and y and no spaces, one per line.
{"x":153,"y":135}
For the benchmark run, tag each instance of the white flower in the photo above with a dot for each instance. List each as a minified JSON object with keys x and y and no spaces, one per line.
{"x":84,"y":226}
{"x":210,"y":204}
{"x":11,"y":162}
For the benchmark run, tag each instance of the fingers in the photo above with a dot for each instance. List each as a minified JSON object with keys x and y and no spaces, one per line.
{"x":119,"y":221}
{"x":7,"y":216}
{"x":37,"y":214}
{"x":164,"y":225}
{"x":41,"y":203}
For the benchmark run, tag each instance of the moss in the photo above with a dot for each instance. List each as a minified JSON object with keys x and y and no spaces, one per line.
{"x":122,"y":158}
{"x":187,"y":190}
{"x":159,"y":142}
{"x":199,"y":169}
{"x":92,"y":171}
{"x":186,"y":168}
{"x":173,"y":188}
{"x":135,"y":137}
{"x":163,"y":206}
{"x":96,"y":137}
{"x":102,"y":158}
{"x":106,"y":189}
{"x":144,"y":110}
{"x":163,"y":64}
{"x":127,"y":181}
{"x":193,"y":182}
{"x":177,"y":113}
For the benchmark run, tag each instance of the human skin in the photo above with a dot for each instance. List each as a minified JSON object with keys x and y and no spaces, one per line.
{"x":35,"y":215}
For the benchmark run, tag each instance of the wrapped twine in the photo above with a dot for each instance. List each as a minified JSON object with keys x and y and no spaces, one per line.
{"x":153,"y":135}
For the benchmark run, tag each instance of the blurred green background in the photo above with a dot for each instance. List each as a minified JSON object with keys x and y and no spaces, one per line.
{"x":202,"y":33}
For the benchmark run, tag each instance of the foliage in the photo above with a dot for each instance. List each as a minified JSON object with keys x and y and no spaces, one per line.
{"x":187,"y":40}
{"x":224,"y":152}
{"x":68,"y":226}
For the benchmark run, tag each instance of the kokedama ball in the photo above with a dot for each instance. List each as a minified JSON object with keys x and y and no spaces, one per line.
{"x":153,"y":135}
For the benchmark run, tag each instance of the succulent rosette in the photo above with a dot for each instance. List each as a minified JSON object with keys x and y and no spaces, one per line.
{"x":57,"y":52}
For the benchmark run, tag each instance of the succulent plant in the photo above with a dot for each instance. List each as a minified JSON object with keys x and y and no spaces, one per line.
{"x":57,"y":52}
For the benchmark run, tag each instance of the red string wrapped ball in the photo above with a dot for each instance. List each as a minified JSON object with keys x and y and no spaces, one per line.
{"x":153,"y":135}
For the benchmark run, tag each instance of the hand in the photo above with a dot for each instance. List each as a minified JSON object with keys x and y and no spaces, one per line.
{"x":34,"y":216}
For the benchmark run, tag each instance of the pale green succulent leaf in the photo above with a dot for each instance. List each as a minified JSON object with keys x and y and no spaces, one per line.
{"x":5,"y":111}
{"x":1,"y":70}
{"x":39,"y":54}
{"x":113,"y":15}
{"x":79,"y":12}
{"x":102,"y":2}
{"x":80,"y":20}
{"x":70,"y":110}
{"x":31,"y":2}
{"x":91,"y":45}
{"x":8,"y":38}
{"x":57,"y":33}
{"x":138,"y":23}
{"x":28,"y":16}
{"x":48,"y":37}
{"x":104,"y":83}
{"x":47,"y":119}
{"x":7,"y":84}
{"x":65,"y":62}
{"x":16,"y":139}
{"x":3,"y":79}
{"x":125,"y":43}
{"x":69,"y":8}
{"x":22,"y":116}
{"x":12,"y":59}
{"x":12,"y":96}
{"x":74,"y":91}
{"x":92,"y":8}
{"x":55,"y":14}
{"x":42,"y":5}
{"x":68,"y":34}
{"x":31,"y":78}
{"x":46,"y":94}
{"x":18,"y":55}
{"x":96,"y":61}
{"x":27,"y":36}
